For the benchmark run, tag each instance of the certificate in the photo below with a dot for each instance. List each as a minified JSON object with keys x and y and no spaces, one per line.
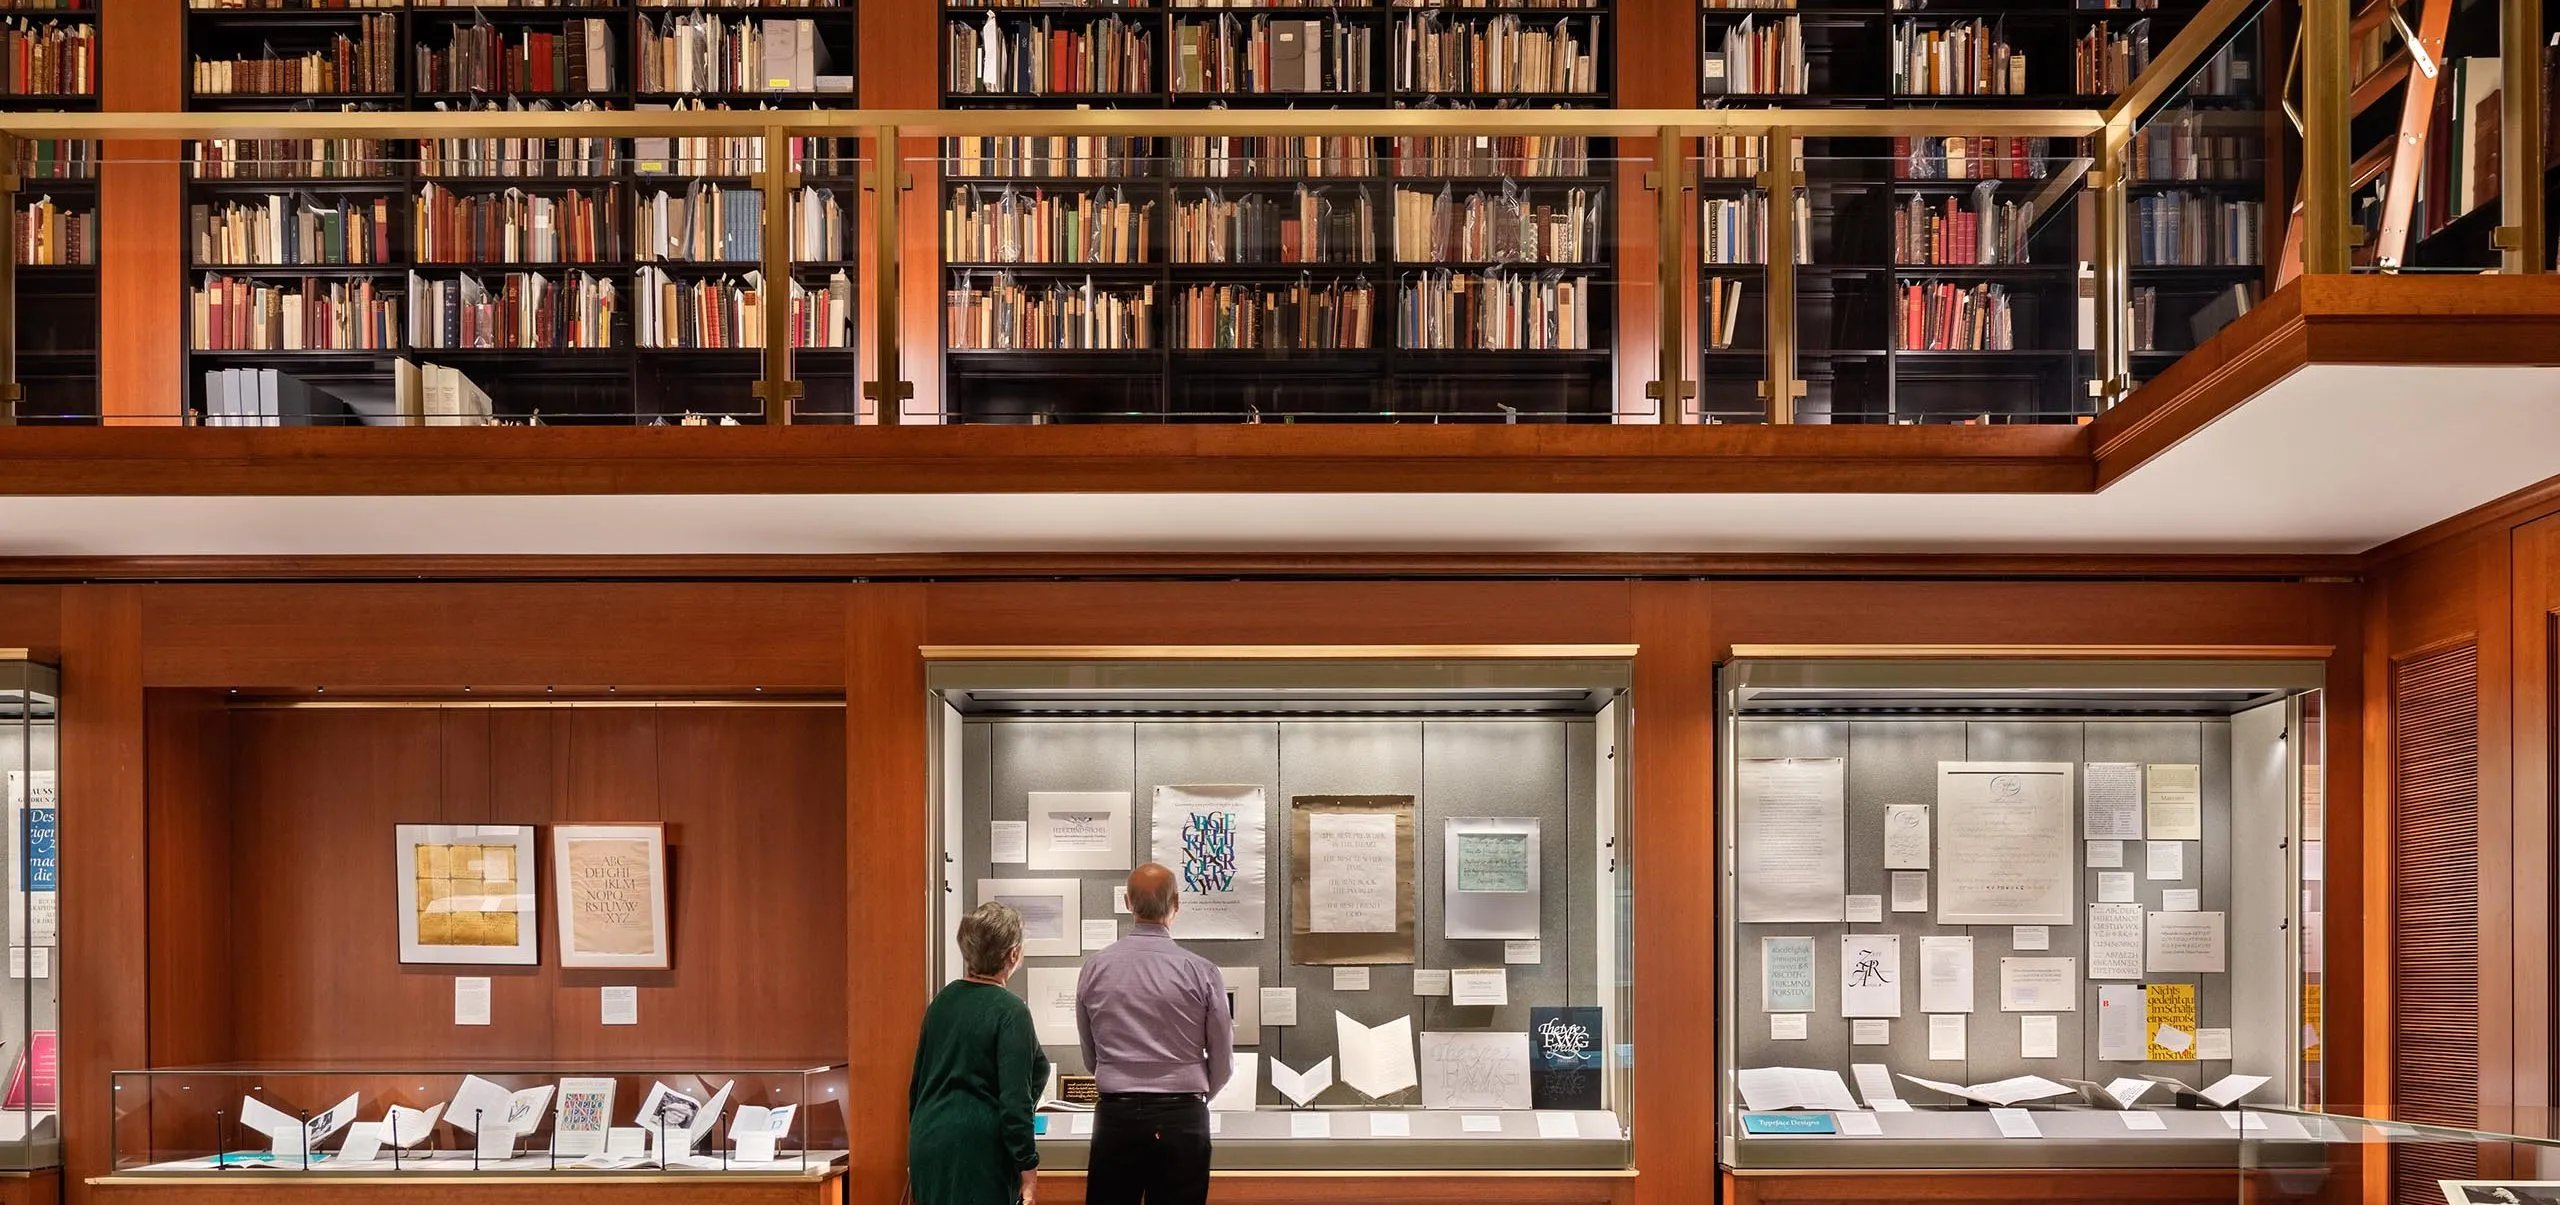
{"x":1789,"y":837}
{"x":2005,"y":844}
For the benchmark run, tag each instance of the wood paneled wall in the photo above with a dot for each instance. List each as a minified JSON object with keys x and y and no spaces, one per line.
{"x":298,"y":800}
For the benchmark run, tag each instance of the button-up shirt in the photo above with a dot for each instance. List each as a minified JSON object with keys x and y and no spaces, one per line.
{"x":1153,"y":1017}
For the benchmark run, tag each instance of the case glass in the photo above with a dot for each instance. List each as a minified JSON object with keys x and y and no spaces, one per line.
{"x":519,"y":1119}
{"x":30,"y":1136}
{"x":2288,"y":1157}
{"x":1996,"y":913}
{"x":1407,"y":871}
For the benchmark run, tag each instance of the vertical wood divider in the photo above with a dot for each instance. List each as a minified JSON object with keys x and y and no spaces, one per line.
{"x":141,"y":212}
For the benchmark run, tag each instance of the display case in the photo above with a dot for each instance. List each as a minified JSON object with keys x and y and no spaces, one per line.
{"x":520,"y":1119}
{"x":2287,"y":1157}
{"x":1408,"y":872}
{"x":2014,"y":913}
{"x":30,"y":1136}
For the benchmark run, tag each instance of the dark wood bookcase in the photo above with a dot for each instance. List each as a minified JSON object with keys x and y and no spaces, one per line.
{"x":623,"y":384}
{"x":57,"y":304}
{"x":1166,"y":381}
{"x":1853,"y":283}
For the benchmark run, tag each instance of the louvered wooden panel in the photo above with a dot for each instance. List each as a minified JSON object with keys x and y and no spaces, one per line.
{"x":2435,"y":912}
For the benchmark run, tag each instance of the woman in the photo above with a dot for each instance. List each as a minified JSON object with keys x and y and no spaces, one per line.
{"x":979,"y":1072}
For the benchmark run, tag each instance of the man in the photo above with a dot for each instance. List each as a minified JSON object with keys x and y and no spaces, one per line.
{"x":1153,"y":1020}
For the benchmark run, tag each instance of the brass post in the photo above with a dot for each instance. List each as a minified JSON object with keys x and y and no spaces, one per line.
{"x":890,"y":389}
{"x":2112,"y":265}
{"x":9,"y":393}
{"x":1669,"y":180}
{"x":1779,"y":179}
{"x":2325,"y":235}
{"x":776,"y":182}
{"x":2521,"y":239}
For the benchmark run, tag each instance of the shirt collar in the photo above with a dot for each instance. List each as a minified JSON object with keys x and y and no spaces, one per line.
{"x":1146,"y":928}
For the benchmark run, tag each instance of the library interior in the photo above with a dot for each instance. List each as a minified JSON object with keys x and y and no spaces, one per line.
{"x":1596,"y":537}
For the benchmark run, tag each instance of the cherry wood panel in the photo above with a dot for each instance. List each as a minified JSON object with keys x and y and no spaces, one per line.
{"x":887,"y":903}
{"x":105,"y":929}
{"x":714,"y":636}
{"x":521,"y":1191}
{"x":30,"y":1188}
{"x":1671,"y":839}
{"x":1249,"y":613}
{"x":31,"y":619}
{"x":2534,"y":788}
{"x":2015,"y":612}
{"x":1270,"y":458}
{"x":142,"y":208}
{"x":751,"y":800}
{"x":189,"y":860}
{"x":2164,"y":1185}
{"x":1656,"y":48}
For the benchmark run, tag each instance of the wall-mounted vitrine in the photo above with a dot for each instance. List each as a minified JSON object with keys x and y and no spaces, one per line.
{"x":30,"y":1009}
{"x":1408,"y":873}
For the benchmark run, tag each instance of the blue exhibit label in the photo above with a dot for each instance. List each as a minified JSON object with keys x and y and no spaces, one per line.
{"x":1788,"y":1123}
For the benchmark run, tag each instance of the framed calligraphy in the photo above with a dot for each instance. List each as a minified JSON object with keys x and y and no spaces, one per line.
{"x":610,"y":882}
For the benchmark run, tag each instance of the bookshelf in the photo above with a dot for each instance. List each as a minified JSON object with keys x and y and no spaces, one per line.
{"x":1939,"y":279}
{"x":1421,"y":279}
{"x":52,"y":64}
{"x":2204,"y":219}
{"x":601,"y":281}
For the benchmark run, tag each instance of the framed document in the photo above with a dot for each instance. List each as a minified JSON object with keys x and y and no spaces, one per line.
{"x":610,"y":881}
{"x":466,"y":894}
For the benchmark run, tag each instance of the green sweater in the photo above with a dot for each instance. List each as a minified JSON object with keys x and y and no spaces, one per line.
{"x":979,"y":1072}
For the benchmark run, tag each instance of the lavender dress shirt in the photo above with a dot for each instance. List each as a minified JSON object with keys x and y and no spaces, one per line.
{"x":1153,"y":1017}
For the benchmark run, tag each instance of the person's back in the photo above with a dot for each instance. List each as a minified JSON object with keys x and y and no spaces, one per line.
{"x":1152,"y":1021}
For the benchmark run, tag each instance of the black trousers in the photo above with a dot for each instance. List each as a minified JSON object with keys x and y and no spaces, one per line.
{"x":1149,"y":1148}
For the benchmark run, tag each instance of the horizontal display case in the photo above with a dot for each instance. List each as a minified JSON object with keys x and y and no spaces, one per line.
{"x":2288,"y":1157}
{"x":515,"y":1120}
{"x":1475,"y":1021}
{"x":2013,"y":914}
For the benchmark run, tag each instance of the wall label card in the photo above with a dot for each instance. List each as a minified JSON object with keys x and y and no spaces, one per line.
{"x":1213,"y":838}
{"x":2181,"y":899}
{"x":2039,"y":1036}
{"x":2030,"y":937}
{"x":1864,"y":909}
{"x":2039,"y":985}
{"x":1079,"y":830}
{"x":1906,"y":836}
{"x":2106,"y":855}
{"x":1871,"y":1032}
{"x":1946,"y":1038}
{"x":1946,"y":974}
{"x":1787,"y":1027}
{"x":1279,"y":1005}
{"x":2213,"y":1045}
{"x":1099,"y":934}
{"x":1491,"y":882}
{"x":2173,"y":801}
{"x":1008,"y":842}
{"x":1351,"y":879}
{"x":1523,"y":953}
{"x":471,"y":1000}
{"x":2169,"y":1022}
{"x":1051,"y":992}
{"x":2115,"y":941}
{"x":2005,"y":845}
{"x":1790,"y":839}
{"x":2185,"y":943}
{"x":1871,"y":975}
{"x":2164,"y":861}
{"x":1476,"y":988}
{"x":1910,"y":891}
{"x":2115,"y":886}
{"x":1430,"y":982}
{"x":618,"y":1006}
{"x":1786,"y":974}
{"x":1351,"y":979}
{"x":2114,"y":802}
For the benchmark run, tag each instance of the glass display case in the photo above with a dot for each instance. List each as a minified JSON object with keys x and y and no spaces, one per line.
{"x":30,"y":1136}
{"x":564,"y":1118}
{"x":2287,"y":1157}
{"x":1407,"y":872}
{"x":2014,"y":913}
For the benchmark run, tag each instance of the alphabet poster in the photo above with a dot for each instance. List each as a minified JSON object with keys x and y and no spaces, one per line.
{"x":610,"y":882}
{"x":1213,"y":839}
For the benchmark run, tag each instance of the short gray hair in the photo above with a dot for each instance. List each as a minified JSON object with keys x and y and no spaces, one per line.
{"x":988,"y":937}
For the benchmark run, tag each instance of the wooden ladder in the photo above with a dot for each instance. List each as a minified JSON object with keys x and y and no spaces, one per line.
{"x":2400,"y":162}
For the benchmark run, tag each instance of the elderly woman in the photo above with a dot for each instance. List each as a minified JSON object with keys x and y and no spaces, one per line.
{"x":979,"y":1073}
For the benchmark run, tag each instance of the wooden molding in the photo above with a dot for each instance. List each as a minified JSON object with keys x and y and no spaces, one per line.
{"x":1281,"y":652}
{"x":2081,"y":652}
{"x":2515,"y":510}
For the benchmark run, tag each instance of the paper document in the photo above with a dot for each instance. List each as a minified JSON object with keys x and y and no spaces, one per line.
{"x":2106,"y":855}
{"x":2172,"y":798}
{"x":2213,"y":1045}
{"x":2164,"y":861}
{"x":1375,"y":1061}
{"x":1351,"y":872}
{"x":2180,"y":899}
{"x":2031,"y":937}
{"x":1475,"y":1070}
{"x":1787,"y":1027}
{"x":2185,"y":943}
{"x":1351,"y":979}
{"x":2016,"y":1123}
{"x":2039,"y":1036}
{"x":1304,"y":1086}
{"x":1946,"y":974}
{"x":1008,"y":841}
{"x":1480,"y":987}
{"x":1999,"y":1094}
{"x":1910,"y":891}
{"x":1242,"y":1081}
{"x":1786,"y":974}
{"x":2228,"y":1091}
{"x":1906,"y":836}
{"x":2114,"y":801}
{"x":1864,"y":909}
{"x":1790,"y":838}
{"x":1871,"y":975}
{"x":1079,"y":830}
{"x":2121,"y":1037}
{"x":1875,"y":1082}
{"x":1946,"y":1038}
{"x":1052,"y":994}
{"x":2039,"y":985}
{"x":2005,"y":845}
{"x":2115,"y":886}
{"x":1770,"y":1089}
{"x":1872,"y":1032}
{"x":2115,"y":941}
{"x":1279,"y":1005}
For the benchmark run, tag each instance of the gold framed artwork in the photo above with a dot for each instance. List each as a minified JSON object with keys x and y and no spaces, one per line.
{"x":466,"y":894}
{"x":610,"y":883}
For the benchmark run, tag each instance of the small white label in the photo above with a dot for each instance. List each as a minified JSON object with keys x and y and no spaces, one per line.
{"x":1522,"y":953}
{"x":1099,"y":934}
{"x":1080,"y":1124}
{"x":1310,"y":1125}
{"x":1010,"y":841}
{"x":1480,"y":987}
{"x":1390,"y":1125}
{"x":1557,"y":1125}
{"x":621,"y":1006}
{"x":2030,"y":937}
{"x":1430,"y":982}
{"x":1865,"y":909}
{"x":1478,"y":1123}
{"x":471,"y":1000}
{"x":1859,"y":1125}
{"x":1786,"y":1027}
{"x":1351,"y":979}
{"x":2143,"y":1119}
{"x":2016,"y":1123}
{"x":1870,"y":1033}
{"x":1279,"y":1006}
{"x":1120,"y":900}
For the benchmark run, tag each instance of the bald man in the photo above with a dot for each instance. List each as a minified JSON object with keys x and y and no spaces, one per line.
{"x":1153,"y":1020}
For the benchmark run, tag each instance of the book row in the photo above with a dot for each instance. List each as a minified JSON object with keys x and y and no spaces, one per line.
{"x":1436,"y":310}
{"x":2188,"y":229}
{"x":1937,"y":316}
{"x":702,"y":53}
{"x":48,"y":58}
{"x":1735,"y":230}
{"x":52,"y":235}
{"x":1981,"y":229}
{"x":1104,"y":226}
{"x":1274,"y":157}
{"x":2104,"y":63}
{"x":676,"y":53}
{"x":1229,"y":54}
{"x":483,"y":58}
{"x":506,"y":158}
{"x":525,"y":310}
{"x":1968,"y":58}
{"x":368,"y":62}
{"x":2179,"y":146}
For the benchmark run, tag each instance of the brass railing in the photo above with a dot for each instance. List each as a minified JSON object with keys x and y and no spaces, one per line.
{"x":1666,"y":138}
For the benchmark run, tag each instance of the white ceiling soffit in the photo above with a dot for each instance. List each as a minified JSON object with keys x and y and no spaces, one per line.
{"x":2330,"y":460}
